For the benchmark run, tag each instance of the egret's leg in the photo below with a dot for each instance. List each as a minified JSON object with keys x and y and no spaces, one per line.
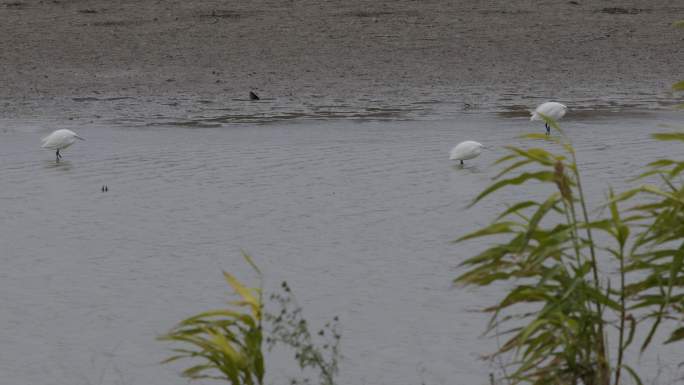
{"x":58,"y":156}
{"x":548,"y":129}
{"x":461,"y":162}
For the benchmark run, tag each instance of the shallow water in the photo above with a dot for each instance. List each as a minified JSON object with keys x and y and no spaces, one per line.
{"x":356,"y":214}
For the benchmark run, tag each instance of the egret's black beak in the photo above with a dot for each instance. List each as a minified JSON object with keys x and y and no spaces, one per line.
{"x":78,"y":137}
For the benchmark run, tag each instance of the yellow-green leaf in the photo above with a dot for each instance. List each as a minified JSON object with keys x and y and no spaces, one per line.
{"x":669,"y":136}
{"x":225,"y":346}
{"x":494,"y":228}
{"x":542,"y":176}
{"x":249,"y":260}
{"x":679,"y":86}
{"x":244,"y":292}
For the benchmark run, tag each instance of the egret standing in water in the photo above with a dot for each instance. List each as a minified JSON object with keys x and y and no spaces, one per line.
{"x":59,"y":140}
{"x":466,"y":150}
{"x":552,"y":110}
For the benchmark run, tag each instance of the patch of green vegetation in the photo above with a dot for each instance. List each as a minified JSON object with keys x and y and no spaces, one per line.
{"x":561,"y":299}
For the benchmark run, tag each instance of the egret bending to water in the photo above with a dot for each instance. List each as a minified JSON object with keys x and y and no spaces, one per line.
{"x":59,"y":140}
{"x":466,"y":150}
{"x":552,"y":110}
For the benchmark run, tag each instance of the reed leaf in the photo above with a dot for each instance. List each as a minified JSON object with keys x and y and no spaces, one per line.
{"x":679,"y":86}
{"x":676,"y":335}
{"x":517,"y":208}
{"x":228,"y":341}
{"x":493,"y":229}
{"x":679,"y":136}
{"x":632,"y":373}
{"x":541,"y":176}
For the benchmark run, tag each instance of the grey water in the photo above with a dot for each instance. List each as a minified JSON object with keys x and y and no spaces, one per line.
{"x":357,"y":214}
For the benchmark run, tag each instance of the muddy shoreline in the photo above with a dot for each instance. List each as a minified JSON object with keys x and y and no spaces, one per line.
{"x":60,"y":55}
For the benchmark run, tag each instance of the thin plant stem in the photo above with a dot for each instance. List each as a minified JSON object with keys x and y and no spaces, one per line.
{"x":573,"y":225}
{"x":621,"y":349}
{"x":594,"y":267}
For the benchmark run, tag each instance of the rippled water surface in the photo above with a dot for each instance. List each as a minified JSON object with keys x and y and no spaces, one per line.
{"x":356,"y":214}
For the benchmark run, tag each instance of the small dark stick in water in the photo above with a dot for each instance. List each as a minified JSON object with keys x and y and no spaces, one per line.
{"x":253,"y":96}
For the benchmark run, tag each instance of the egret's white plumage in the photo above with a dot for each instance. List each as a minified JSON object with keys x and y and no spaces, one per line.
{"x":552,"y":110}
{"x":59,"y":140}
{"x":466,"y":150}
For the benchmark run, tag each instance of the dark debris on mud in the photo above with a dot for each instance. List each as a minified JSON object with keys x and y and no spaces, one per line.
{"x":623,"y":11}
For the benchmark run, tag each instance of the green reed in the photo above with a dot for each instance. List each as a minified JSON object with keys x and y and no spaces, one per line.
{"x":225,"y":344}
{"x":561,"y":302}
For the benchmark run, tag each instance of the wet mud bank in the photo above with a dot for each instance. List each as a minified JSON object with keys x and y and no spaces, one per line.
{"x":76,"y":59}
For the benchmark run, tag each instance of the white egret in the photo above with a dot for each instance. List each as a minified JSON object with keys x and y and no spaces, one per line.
{"x":552,"y":110}
{"x":466,"y":150}
{"x":59,"y":140}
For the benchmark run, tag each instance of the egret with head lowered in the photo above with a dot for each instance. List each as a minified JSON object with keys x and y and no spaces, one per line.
{"x":466,"y":150}
{"x":59,"y":140}
{"x":551,"y":110}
